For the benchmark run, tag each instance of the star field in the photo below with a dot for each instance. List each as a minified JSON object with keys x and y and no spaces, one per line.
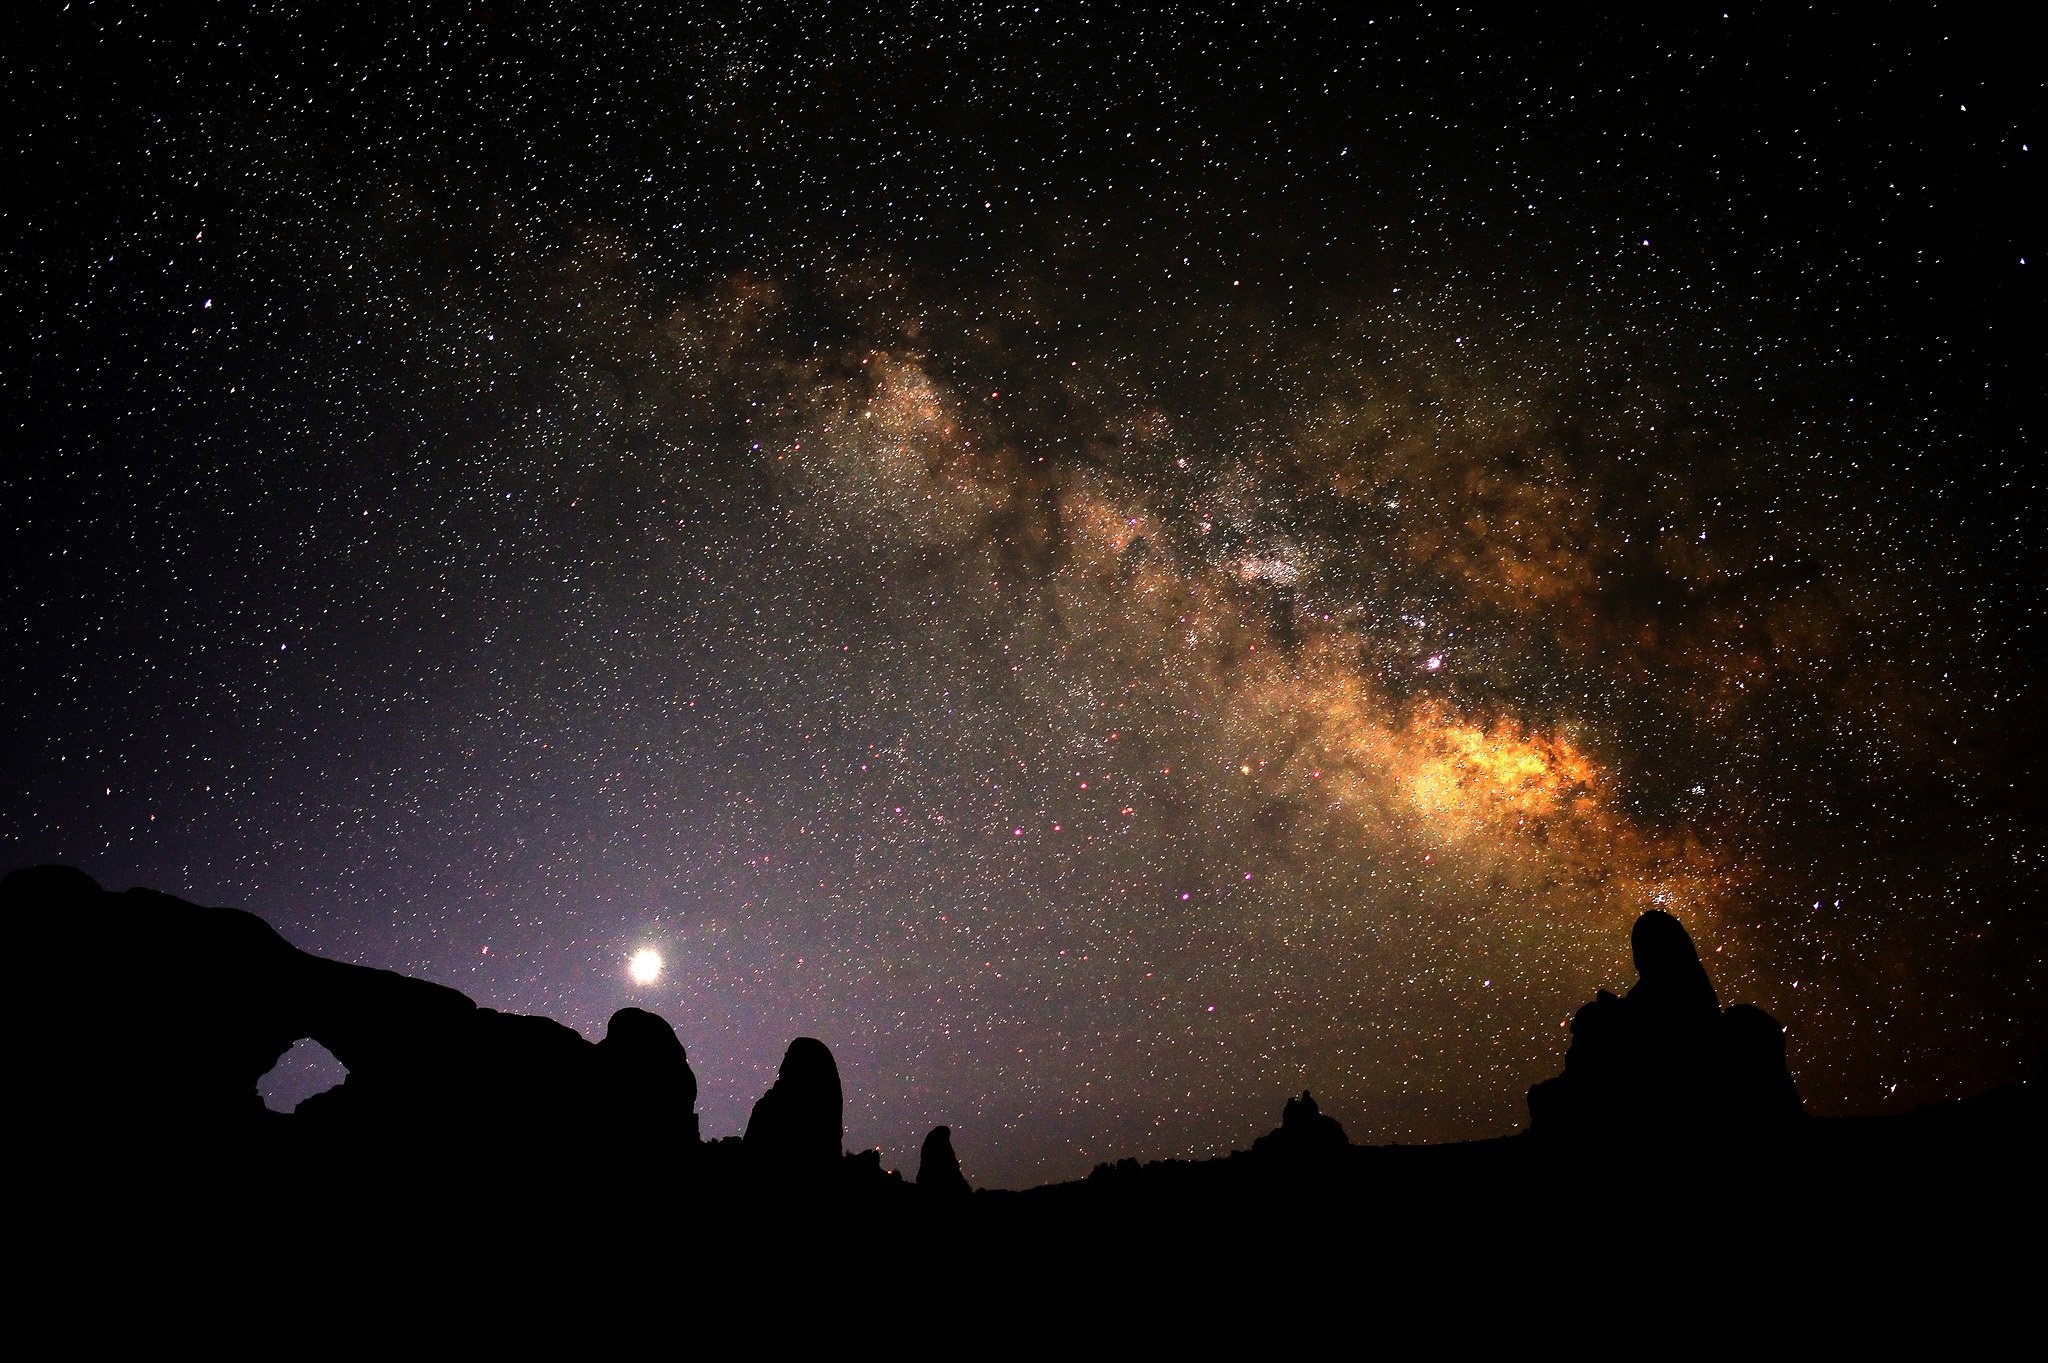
{"x":1113,"y":563}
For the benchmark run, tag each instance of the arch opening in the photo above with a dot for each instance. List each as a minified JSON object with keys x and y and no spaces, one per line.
{"x":304,"y":1070}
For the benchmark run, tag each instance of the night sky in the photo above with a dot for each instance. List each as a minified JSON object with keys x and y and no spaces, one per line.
{"x":1111,"y":563}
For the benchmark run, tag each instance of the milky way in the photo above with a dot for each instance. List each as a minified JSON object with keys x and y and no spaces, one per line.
{"x":1111,"y":565}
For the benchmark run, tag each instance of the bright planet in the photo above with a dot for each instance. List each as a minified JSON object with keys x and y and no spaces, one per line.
{"x":645,"y":967}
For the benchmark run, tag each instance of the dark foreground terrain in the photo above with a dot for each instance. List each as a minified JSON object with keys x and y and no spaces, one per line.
{"x":499,"y":1173}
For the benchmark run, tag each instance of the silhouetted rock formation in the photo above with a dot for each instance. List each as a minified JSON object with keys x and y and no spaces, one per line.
{"x":1755,"y":1085}
{"x":797,"y":1126}
{"x":1305,"y":1130}
{"x":938,"y":1168}
{"x":861,"y":1175}
{"x":648,"y":1073}
{"x":466,"y":1143}
{"x":208,"y":1001}
{"x":1665,"y":1060}
{"x":211,"y":998}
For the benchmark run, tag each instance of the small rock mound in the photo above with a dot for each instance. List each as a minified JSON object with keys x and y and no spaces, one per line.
{"x":1305,"y":1130}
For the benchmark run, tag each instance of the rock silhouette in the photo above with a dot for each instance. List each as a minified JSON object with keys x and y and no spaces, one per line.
{"x":1665,"y":1060}
{"x":1754,"y":1087}
{"x":648,"y":1074}
{"x":469,"y":1141}
{"x":1305,"y":1130}
{"x":208,"y":1001}
{"x":938,"y":1168}
{"x":797,"y":1127}
{"x":219,"y":997}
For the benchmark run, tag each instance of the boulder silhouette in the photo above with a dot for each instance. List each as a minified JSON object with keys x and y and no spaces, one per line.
{"x":797,"y":1126}
{"x":1756,"y":1084}
{"x":1665,"y":1060}
{"x":648,"y":1074}
{"x":938,"y":1168}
